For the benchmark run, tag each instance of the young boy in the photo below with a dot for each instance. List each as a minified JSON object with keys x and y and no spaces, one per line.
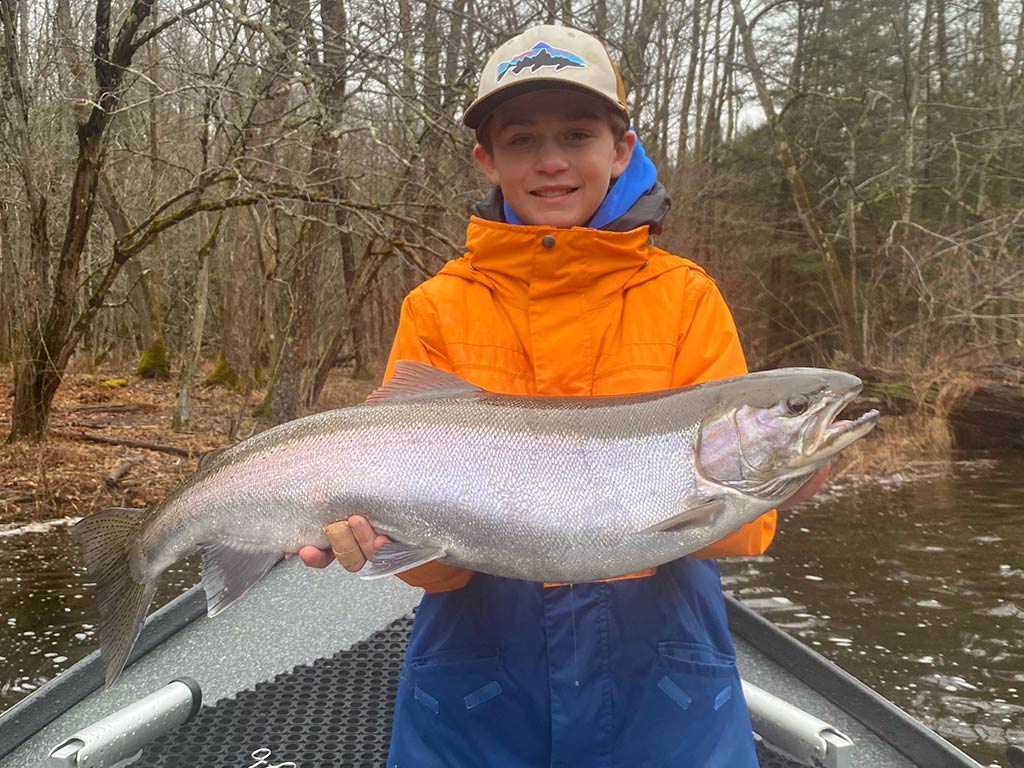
{"x":560,"y":293}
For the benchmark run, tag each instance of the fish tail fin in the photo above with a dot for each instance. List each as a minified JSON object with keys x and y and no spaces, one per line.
{"x":105,"y":538}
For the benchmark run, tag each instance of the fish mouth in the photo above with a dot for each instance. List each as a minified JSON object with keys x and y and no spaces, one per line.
{"x":825,"y":437}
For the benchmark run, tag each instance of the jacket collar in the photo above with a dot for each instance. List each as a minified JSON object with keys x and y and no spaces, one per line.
{"x":649,"y":210}
{"x":526,"y":264}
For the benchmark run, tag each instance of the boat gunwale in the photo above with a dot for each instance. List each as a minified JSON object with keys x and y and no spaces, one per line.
{"x":907,"y":735}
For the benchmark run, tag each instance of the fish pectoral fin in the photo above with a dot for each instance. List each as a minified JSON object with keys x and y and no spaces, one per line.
{"x":697,"y":511}
{"x":395,"y":557}
{"x":413,"y":380}
{"x":229,"y":570}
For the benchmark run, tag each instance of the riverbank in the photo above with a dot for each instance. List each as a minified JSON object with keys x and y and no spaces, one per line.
{"x":70,"y":474}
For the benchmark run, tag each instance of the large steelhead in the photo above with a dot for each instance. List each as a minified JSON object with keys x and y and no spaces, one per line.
{"x":557,"y":489}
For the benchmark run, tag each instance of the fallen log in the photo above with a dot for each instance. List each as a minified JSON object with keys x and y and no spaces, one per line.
{"x":113,"y":408}
{"x":982,"y":414}
{"x":172,"y":449}
{"x":992,"y":416}
{"x":114,"y":476}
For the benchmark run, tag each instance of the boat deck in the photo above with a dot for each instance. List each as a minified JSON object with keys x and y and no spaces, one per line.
{"x":278,"y":688}
{"x":333,"y":713}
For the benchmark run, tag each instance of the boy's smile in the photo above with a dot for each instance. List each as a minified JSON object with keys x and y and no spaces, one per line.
{"x":553,"y":154}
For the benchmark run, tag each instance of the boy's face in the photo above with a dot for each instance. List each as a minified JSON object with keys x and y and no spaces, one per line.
{"x":553,"y":154}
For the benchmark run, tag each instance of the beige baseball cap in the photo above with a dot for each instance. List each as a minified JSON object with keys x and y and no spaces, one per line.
{"x":546,"y":56}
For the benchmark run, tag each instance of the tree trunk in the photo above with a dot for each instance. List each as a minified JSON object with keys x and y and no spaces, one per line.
{"x":841,"y":289}
{"x":30,"y":297}
{"x":250,"y":293}
{"x":292,"y":385}
{"x":182,"y":415}
{"x":696,"y":43}
{"x":142,"y":299}
{"x":51,"y":348}
{"x":242,"y":279}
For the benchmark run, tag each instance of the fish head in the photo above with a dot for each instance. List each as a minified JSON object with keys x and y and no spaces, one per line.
{"x":773,"y":430}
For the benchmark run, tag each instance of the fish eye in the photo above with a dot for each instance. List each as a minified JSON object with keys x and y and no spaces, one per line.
{"x":798,"y":404}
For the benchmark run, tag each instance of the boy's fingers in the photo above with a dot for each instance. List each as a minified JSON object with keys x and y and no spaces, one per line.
{"x":364,"y":534}
{"x":315,"y":558}
{"x":807,"y":490}
{"x":347,"y":549}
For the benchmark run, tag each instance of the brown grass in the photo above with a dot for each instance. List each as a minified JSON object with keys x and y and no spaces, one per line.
{"x":64,"y":477}
{"x":921,"y":435}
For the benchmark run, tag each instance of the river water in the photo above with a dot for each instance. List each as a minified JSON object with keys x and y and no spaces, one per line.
{"x":914,"y":583}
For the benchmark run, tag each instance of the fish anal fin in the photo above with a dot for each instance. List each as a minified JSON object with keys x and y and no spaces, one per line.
{"x":395,"y":557}
{"x":696,"y":511}
{"x":413,"y":380}
{"x":105,"y":539}
{"x":230,"y":570}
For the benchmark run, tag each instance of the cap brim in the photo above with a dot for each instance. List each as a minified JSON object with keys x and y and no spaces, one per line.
{"x":481,"y":109}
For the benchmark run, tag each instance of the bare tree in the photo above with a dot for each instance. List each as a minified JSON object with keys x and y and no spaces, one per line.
{"x":50,"y":347}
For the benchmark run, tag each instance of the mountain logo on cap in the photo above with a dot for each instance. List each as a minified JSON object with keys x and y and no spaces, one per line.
{"x":540,"y":56}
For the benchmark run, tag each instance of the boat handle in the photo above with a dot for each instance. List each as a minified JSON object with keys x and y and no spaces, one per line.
{"x":123,"y":734}
{"x":794,"y":733}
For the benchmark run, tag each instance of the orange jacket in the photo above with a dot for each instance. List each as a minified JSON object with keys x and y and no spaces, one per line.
{"x":540,"y":310}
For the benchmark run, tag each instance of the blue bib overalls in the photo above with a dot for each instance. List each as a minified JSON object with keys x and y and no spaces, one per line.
{"x":633,"y":673}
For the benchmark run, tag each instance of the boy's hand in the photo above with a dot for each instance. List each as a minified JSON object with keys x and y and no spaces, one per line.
{"x":353,"y":542}
{"x":807,"y":490}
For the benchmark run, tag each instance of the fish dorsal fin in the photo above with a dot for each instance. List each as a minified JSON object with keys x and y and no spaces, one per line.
{"x":229,"y":570}
{"x":395,"y":557}
{"x":697,"y":511}
{"x":418,"y":381}
{"x":206,"y":459}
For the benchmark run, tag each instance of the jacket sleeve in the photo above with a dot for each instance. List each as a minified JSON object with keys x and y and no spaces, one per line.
{"x":709,"y":348}
{"x":418,"y":338}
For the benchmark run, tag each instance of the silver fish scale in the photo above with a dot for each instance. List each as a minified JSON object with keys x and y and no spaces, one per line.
{"x":501,"y":485}
{"x":504,"y":492}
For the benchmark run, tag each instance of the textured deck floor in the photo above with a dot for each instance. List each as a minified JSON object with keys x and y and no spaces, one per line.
{"x":333,"y":713}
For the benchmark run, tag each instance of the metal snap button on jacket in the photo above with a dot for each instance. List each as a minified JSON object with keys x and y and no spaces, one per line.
{"x":548,"y":241}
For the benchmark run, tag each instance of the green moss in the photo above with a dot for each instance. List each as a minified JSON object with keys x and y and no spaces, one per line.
{"x":902,"y":390}
{"x":223,"y":375}
{"x":154,"y":363}
{"x":113,"y":383}
{"x":262,"y":409}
